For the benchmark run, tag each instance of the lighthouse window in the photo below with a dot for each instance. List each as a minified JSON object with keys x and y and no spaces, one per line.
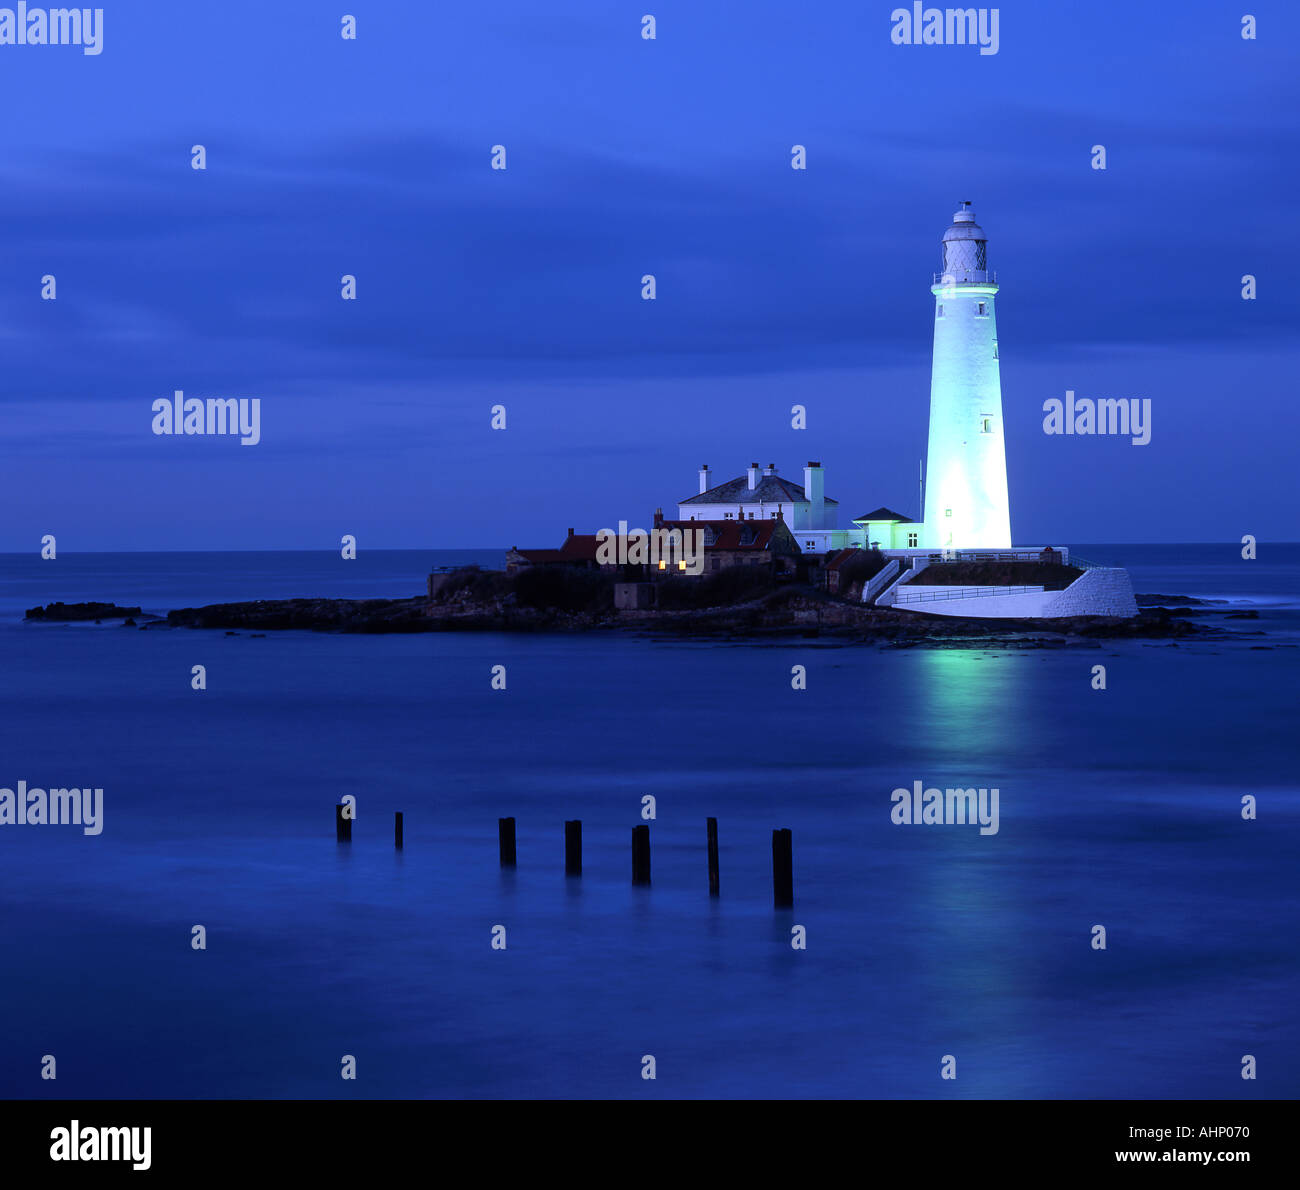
{"x":981,"y":311}
{"x":995,"y":349}
{"x":947,"y":512}
{"x":939,"y":314}
{"x":986,"y":425}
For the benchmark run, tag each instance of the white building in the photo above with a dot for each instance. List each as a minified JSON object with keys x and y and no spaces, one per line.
{"x":966,"y":505}
{"x":760,"y":495}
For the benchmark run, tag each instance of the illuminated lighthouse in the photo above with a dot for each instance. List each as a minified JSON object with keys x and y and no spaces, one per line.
{"x":966,"y":469}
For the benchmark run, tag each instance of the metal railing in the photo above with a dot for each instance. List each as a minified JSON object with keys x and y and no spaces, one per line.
{"x":996,"y":556}
{"x":903,"y":595}
{"x":968,"y":277}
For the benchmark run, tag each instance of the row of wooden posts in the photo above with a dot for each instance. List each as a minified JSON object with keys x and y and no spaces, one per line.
{"x":782,"y":852}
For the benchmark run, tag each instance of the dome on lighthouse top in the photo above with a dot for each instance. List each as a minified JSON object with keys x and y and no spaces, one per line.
{"x":964,"y":226}
{"x":965,"y":250}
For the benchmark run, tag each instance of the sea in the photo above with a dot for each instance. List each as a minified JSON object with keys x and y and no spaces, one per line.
{"x":1129,"y":931}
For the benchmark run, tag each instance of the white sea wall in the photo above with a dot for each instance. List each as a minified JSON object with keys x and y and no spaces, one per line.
{"x":919,"y":593}
{"x":1028,"y":605}
{"x":1102,"y":591}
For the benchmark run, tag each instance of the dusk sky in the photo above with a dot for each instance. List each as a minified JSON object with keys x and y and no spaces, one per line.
{"x":522,"y":287}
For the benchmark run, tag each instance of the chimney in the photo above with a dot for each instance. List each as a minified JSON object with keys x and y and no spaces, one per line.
{"x":659,"y":518}
{"x":770,"y":469}
{"x":753,"y":476}
{"x":814,"y":490}
{"x":704,"y":479}
{"x":570,"y":532}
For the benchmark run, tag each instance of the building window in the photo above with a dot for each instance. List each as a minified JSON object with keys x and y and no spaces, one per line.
{"x":939,"y":312}
{"x":986,"y":425}
{"x":681,"y":565}
{"x":981,"y":311}
{"x":947,"y":512}
{"x":911,"y":541}
{"x":808,"y":544}
{"x":995,"y":349}
{"x":662,"y":564}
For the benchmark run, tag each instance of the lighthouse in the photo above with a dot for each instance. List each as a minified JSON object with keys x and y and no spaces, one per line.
{"x":966,"y":503}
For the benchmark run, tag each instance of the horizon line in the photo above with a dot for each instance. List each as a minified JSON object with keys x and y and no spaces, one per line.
{"x":406,"y":549}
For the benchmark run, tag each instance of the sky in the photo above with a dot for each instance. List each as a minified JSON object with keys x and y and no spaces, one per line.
{"x":522,"y":287}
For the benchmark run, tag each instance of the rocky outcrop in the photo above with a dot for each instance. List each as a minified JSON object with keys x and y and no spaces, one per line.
{"x":67,"y":612}
{"x":320,"y":615}
{"x":789,"y":612}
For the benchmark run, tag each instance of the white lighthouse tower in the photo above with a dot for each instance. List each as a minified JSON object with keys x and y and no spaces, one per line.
{"x":966,"y":503}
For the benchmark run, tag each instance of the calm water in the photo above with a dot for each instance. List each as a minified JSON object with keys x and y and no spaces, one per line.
{"x":1118,"y":807}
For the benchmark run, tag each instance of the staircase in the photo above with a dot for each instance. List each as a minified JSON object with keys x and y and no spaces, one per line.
{"x":880,"y":581}
{"x":886,"y":597}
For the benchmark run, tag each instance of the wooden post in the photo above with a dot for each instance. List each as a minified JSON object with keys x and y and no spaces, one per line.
{"x":397,"y":830}
{"x":573,"y":847}
{"x":342,"y":825}
{"x":506,"y":837}
{"x":713,"y":856}
{"x":640,"y":855}
{"x":782,"y":869}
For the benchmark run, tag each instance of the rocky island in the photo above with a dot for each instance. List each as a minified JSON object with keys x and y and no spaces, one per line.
{"x":732,"y":604}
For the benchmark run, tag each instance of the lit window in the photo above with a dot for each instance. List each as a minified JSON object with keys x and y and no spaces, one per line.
{"x":680,"y":565}
{"x":662,"y":564}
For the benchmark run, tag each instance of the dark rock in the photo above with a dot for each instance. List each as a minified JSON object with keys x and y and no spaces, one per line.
{"x":318,"y":615}
{"x":80,"y":611}
{"x":1186,"y":601}
{"x":790,"y":613}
